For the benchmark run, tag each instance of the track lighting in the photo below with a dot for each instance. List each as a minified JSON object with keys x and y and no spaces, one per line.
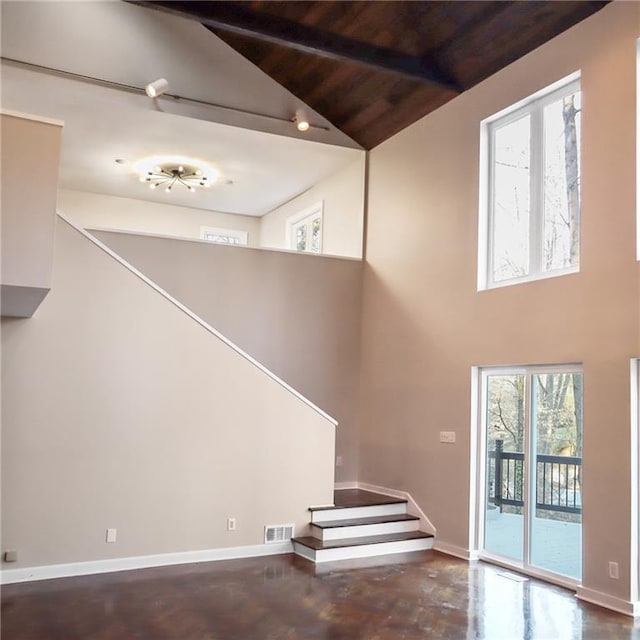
{"x":301,"y":120}
{"x":157,"y":87}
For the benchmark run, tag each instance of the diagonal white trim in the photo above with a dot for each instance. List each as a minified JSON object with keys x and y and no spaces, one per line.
{"x":412,"y":507}
{"x":199,"y":320}
{"x":47,"y":572}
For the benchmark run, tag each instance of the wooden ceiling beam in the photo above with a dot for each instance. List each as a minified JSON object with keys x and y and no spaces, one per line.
{"x":229,"y":16}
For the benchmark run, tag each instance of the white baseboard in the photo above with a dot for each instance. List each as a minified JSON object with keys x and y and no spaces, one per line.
{"x":351,"y":484}
{"x":608,"y":602}
{"x":455,"y":550}
{"x":412,"y":507}
{"x":47,"y":572}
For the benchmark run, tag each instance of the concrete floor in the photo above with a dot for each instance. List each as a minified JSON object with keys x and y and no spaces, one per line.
{"x":420,"y":596}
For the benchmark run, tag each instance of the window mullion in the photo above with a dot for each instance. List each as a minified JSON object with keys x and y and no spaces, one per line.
{"x":536,"y":182}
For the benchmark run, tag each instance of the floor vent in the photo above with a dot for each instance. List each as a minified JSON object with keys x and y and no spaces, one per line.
{"x":513,"y":576}
{"x":278,"y":533}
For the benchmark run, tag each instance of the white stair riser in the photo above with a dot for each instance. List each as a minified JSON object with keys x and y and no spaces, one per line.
{"x":348,"y":513}
{"x":363,"y":551}
{"x":355,"y":531}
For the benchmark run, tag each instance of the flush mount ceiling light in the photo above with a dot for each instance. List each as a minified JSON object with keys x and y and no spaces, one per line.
{"x":179,"y":173}
{"x":301,"y":121}
{"x":156,"y":88}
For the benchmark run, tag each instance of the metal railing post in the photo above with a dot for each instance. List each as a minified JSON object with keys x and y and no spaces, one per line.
{"x":497,"y":498}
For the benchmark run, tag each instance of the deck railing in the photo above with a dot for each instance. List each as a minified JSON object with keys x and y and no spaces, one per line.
{"x":558,"y":480}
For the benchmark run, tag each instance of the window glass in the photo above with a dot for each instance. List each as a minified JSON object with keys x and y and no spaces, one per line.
{"x":533,"y":219}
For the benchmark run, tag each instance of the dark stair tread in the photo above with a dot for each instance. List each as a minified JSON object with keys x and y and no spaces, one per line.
{"x":348,"y":498}
{"x":319,"y":545}
{"x":354,"y":522}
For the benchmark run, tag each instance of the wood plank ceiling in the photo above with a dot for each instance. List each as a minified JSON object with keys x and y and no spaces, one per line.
{"x":373,"y":68}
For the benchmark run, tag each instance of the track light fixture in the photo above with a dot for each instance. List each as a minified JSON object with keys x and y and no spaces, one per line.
{"x":161,"y":85}
{"x":156,"y":88}
{"x":301,"y":121}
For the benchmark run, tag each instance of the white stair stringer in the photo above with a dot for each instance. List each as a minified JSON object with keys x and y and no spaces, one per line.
{"x":375,"y":528}
{"x":364,"y":550}
{"x":379,"y":525}
{"x":347,"y":513}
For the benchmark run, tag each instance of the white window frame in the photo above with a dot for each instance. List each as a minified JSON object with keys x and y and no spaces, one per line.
{"x":242,"y":236}
{"x":478,"y":468}
{"x":534,"y":107}
{"x":310,"y":213}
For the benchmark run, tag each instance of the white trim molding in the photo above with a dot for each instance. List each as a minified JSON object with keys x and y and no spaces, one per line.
{"x":32,"y":117}
{"x":91,"y":567}
{"x":199,"y":320}
{"x":455,"y":550}
{"x":412,"y":507}
{"x":608,"y":602}
{"x":351,"y":484}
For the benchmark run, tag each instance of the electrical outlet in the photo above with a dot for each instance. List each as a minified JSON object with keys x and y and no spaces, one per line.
{"x":231,"y":524}
{"x":111,"y":535}
{"x":11,"y":556}
{"x":338,"y":461}
{"x":449,"y":437}
{"x":613,"y":570}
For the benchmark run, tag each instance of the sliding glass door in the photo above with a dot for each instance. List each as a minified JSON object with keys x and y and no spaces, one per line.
{"x":531,"y":464}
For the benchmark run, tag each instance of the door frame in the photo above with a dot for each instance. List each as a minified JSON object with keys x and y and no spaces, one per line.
{"x":478,"y":468}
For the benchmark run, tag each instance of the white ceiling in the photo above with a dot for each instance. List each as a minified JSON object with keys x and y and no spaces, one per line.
{"x":123,"y":43}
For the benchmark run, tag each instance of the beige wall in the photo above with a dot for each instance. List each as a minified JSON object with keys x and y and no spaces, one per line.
{"x":299,"y":315}
{"x":119,"y":410}
{"x":93,"y":210}
{"x":425,"y":325}
{"x":30,"y":154}
{"x":342,"y":226}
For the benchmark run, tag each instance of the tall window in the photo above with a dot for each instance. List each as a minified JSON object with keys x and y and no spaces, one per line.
{"x":304,"y":230}
{"x":533,"y":222}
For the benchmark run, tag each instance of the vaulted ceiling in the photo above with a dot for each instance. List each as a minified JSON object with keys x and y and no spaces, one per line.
{"x":373,"y":68}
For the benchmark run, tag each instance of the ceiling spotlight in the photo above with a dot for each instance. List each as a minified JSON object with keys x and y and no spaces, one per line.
{"x":156,"y":88}
{"x":301,"y":120}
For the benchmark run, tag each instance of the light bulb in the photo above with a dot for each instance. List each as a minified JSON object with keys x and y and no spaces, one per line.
{"x":302,"y":123}
{"x":168,"y":189}
{"x":153,"y":185}
{"x":191,"y":189}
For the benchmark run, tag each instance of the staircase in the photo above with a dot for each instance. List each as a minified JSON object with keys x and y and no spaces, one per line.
{"x":361,"y":524}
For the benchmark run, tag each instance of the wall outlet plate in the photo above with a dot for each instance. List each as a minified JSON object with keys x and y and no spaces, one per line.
{"x":10,"y":556}
{"x":449,"y":437}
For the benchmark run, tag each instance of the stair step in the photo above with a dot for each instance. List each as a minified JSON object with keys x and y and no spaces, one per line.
{"x":322,"y":551}
{"x":359,"y":527}
{"x":353,"y":522}
{"x":353,"y":503}
{"x":359,"y":498}
{"x":350,"y":498}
